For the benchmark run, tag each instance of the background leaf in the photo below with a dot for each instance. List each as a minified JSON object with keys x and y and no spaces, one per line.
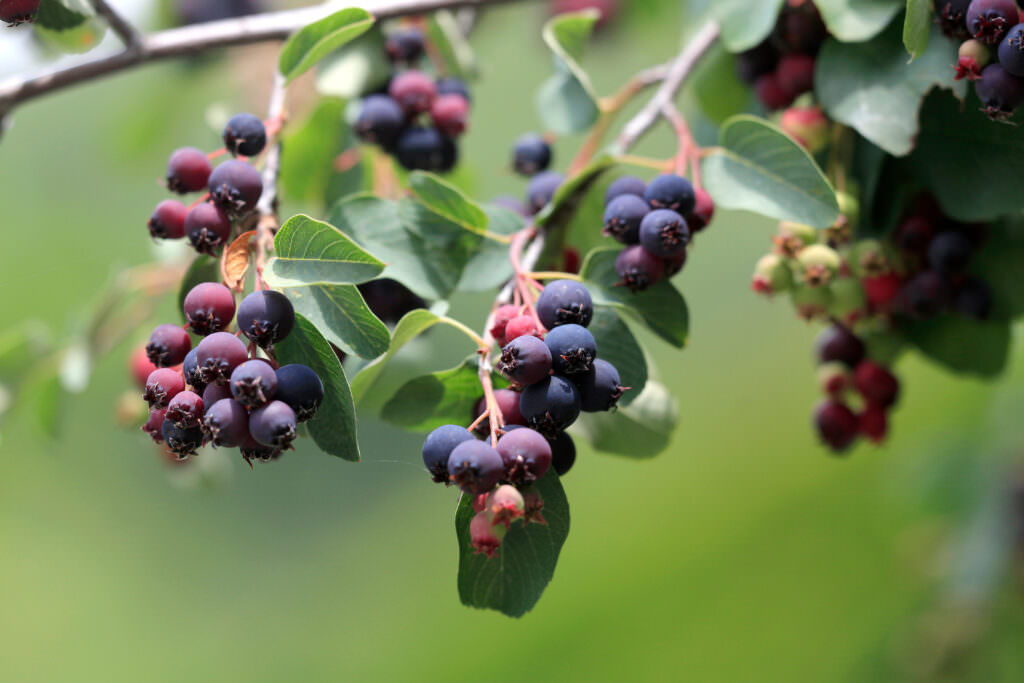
{"x":56,"y":16}
{"x":312,"y":252}
{"x":917,"y":25}
{"x":342,"y":316}
{"x":446,"y":397}
{"x":961,"y":345}
{"x":490,"y":267}
{"x":641,"y":429}
{"x":356,"y":68}
{"x":853,"y":21}
{"x":312,"y":43}
{"x":309,"y":149}
{"x":448,"y":201}
{"x":745,"y":24}
{"x":617,"y":345}
{"x":408,"y":328}
{"x":566,"y":101}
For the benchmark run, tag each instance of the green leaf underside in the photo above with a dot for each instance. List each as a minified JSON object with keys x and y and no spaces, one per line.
{"x":917,"y":26}
{"x":566,"y":101}
{"x":334,"y":426}
{"x":997,"y":262}
{"x":617,"y":345}
{"x":853,"y":21}
{"x":439,"y":398}
{"x":309,"y":45}
{"x":490,"y":267}
{"x":661,"y":307}
{"x":967,"y":346}
{"x":56,"y":16}
{"x":513,"y":580}
{"x":342,"y":316}
{"x":356,"y":68}
{"x":310,"y":252}
{"x":761,"y":169}
{"x":642,"y":429}
{"x":408,"y":328}
{"x":202,"y":269}
{"x":744,"y":23}
{"x":448,"y":201}
{"x":308,"y":152}
{"x":872,"y":88}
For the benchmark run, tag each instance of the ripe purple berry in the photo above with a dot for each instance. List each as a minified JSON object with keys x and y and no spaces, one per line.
{"x":1011,"y":51}
{"x":215,"y":393}
{"x":573,"y":349}
{"x":226,"y":423}
{"x":253,"y":383}
{"x":449,"y":114}
{"x":218,"y":355}
{"x":300,"y":387}
{"x":168,"y":345}
{"x":638,"y":268}
{"x":207,"y":227}
{"x":438,"y":447}
{"x":188,"y":170}
{"x":600,"y":388}
{"x":251,"y":449}
{"x":404,"y":46}
{"x":525,"y":360}
{"x":551,"y":405}
{"x":185,"y":409}
{"x":425,"y":149}
{"x":664,"y":233}
{"x":168,"y":220}
{"x":838,"y":344}
{"x":622,"y":218}
{"x":950,"y":252}
{"x":989,"y":20}
{"x":209,"y":307}
{"x":475,"y":467}
{"x":236,"y":186}
{"x":541,"y":189}
{"x":380,"y":121}
{"x":266,"y":317}
{"x":182,"y":441}
{"x":836,"y":424}
{"x":953,"y":17}
{"x":273,"y":425}
{"x":1000,"y":92}
{"x":525,"y":454}
{"x":627,"y":184}
{"x":670,"y":191}
{"x":414,"y":91}
{"x":926,"y":295}
{"x":453,"y":86}
{"x":531,"y":154}
{"x":563,"y":302}
{"x":563,"y":453}
{"x":974,"y":299}
{"x":245,"y":135}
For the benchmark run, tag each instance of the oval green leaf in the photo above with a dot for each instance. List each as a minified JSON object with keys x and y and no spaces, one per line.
{"x":314,"y":42}
{"x":566,"y":101}
{"x":853,"y":21}
{"x":448,"y":201}
{"x":342,"y":316}
{"x":310,"y":252}
{"x":642,"y":429}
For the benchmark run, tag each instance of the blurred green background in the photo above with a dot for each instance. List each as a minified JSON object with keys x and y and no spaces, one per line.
{"x":744,"y":552}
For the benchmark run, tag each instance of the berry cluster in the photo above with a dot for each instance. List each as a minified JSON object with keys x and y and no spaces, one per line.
{"x":221,"y":392}
{"x":872,"y":285}
{"x":16,"y":12}
{"x":417,"y":118}
{"x":989,"y":29}
{"x":233,"y":189}
{"x":655,"y":221}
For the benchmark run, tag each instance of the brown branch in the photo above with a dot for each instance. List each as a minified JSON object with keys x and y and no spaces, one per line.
{"x":124,"y":29}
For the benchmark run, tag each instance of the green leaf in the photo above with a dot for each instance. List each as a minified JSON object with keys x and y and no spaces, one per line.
{"x":566,"y":101}
{"x":853,"y":21}
{"x":202,"y":269}
{"x":917,"y":25}
{"x":310,"y":252}
{"x":568,"y":196}
{"x":21,"y":347}
{"x":642,"y":429}
{"x":660,"y":307}
{"x":446,"y":397}
{"x":334,"y":427}
{"x":744,"y":23}
{"x":355,"y":69}
{"x":342,"y":316}
{"x":42,"y":395}
{"x":308,"y":151}
{"x":448,"y":201}
{"x":998,"y":262}
{"x":617,"y":345}
{"x":490,"y":267}
{"x":968,"y":346}
{"x":761,"y":169}
{"x":451,"y":44}
{"x":717,"y":89}
{"x":56,"y":16}
{"x":513,"y":581}
{"x":408,"y":328}
{"x":871,"y":87}
{"x":310,"y":44}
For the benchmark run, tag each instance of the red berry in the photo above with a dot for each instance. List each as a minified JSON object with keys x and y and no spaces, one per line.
{"x":414,"y":91}
{"x":881,"y":291}
{"x":771,"y":92}
{"x":836,"y":424}
{"x":795,"y":75}
{"x":168,"y":220}
{"x":141,"y":366}
{"x":874,"y":423}
{"x":485,"y":537}
{"x":162,"y":385}
{"x":209,"y":307}
{"x":521,"y":325}
{"x":185,"y":409}
{"x":505,"y":505}
{"x":154,"y":423}
{"x":188,"y":170}
{"x":807,"y":125}
{"x":570,"y":260}
{"x":508,"y":403}
{"x":525,"y":454}
{"x":700,"y":217}
{"x":500,"y":320}
{"x":876,"y":384}
{"x":208,"y":228}
{"x":449,"y":113}
{"x":168,"y":345}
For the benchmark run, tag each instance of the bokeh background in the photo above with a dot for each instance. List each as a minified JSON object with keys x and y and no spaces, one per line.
{"x":743,"y":552}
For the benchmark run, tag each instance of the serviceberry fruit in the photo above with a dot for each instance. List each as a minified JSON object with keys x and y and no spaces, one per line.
{"x":1000,"y":92}
{"x":915,"y":233}
{"x":453,"y":86}
{"x":973,"y":55}
{"x":162,"y":385}
{"x":974,"y":299}
{"x":563,"y":302}
{"x":526,"y":456}
{"x":671,"y":191}
{"x":926,"y":295}
{"x":300,"y":387}
{"x":563,"y":452}
{"x":253,"y":383}
{"x":600,"y":387}
{"x":836,"y":424}
{"x":236,"y":186}
{"x":425,"y":149}
{"x":800,"y":28}
{"x":215,"y":393}
{"x":834,"y":379}
{"x":266,"y":317}
{"x":273,"y":425}
{"x":414,"y":91}
{"x":795,"y":75}
{"x":874,"y":423}
{"x":182,"y":441}
{"x":664,"y":233}
{"x":226,"y":423}
{"x":484,"y":536}
{"x":638,"y":268}
{"x":953,"y":17}
{"x":551,"y":405}
{"x":627,"y":184}
{"x":521,"y":325}
{"x":438,"y":448}
{"x":950,"y":252}
{"x":502,"y":315}
{"x":702,"y":213}
{"x":449,"y":114}
{"x":185,"y":409}
{"x":573,"y":349}
{"x":475,"y":467}
{"x":674,"y":264}
{"x":380,"y":121}
{"x":208,"y":228}
{"x":876,"y":384}
{"x":168,"y":220}
{"x":188,"y":170}
{"x":541,"y":189}
{"x":1011,"y":51}
{"x":245,"y":135}
{"x":757,"y":61}
{"x":622,"y":218}
{"x":837,"y":343}
{"x":168,"y":345}
{"x":251,"y":449}
{"x":771,"y":275}
{"x":141,"y":366}
{"x":218,"y":355}
{"x":404,"y":46}
{"x":531,"y":154}
{"x":508,"y":404}
{"x":771,"y":93}
{"x":525,"y":360}
{"x":505,"y":504}
{"x":819,"y":263}
{"x":989,"y":20}
{"x":209,"y":307}
{"x":154,"y":423}
{"x":881,"y":291}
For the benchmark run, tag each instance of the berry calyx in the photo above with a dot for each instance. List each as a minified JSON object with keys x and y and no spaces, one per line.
{"x":531,"y":154}
{"x":17,"y":12}
{"x":525,"y":360}
{"x":182,"y":441}
{"x":973,"y":56}
{"x":563,"y":302}
{"x":218,"y":355}
{"x":438,"y":447}
{"x":573,"y":349}
{"x":505,"y":504}
{"x":414,"y":91}
{"x":273,"y":425}
{"x":168,"y":345}
{"x":989,"y":20}
{"x":301,"y":388}
{"x":638,"y":268}
{"x":819,"y":264}
{"x":244,"y":135}
{"x":185,"y":409}
{"x":475,"y":467}
{"x":266,"y":317}
{"x":525,"y":454}
{"x":664,"y":233}
{"x":209,"y":307}
{"x":235,"y":186}
{"x":168,"y":220}
{"x":188,"y":170}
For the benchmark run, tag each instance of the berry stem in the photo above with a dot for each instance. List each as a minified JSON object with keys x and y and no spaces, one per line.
{"x":268,"y":223}
{"x":482,"y":344}
{"x":689,"y":151}
{"x":553,"y":275}
{"x":483,"y":416}
{"x":661,"y":165}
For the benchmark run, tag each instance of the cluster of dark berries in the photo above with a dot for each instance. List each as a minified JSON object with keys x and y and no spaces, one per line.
{"x":655,"y":221}
{"x":992,"y":52}
{"x":17,"y":12}
{"x":222,"y":392}
{"x":417,"y":118}
{"x":233,"y":189}
{"x":781,"y":68}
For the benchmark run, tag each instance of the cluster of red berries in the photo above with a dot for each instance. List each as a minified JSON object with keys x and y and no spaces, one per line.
{"x":992,"y":52}
{"x":416,"y":118}
{"x":655,"y":221}
{"x":233,"y":189}
{"x":220,"y":391}
{"x":17,"y":12}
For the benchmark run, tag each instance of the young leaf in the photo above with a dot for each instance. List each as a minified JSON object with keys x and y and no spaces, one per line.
{"x":355,"y":69}
{"x":513,"y":581}
{"x":660,"y":307}
{"x":314,"y":42}
{"x":445,"y":397}
{"x":917,"y":25}
{"x":642,"y":429}
{"x":448,"y":201}
{"x":566,"y":101}
{"x":489,"y":267}
{"x":202,"y":269}
{"x":962,"y":345}
{"x":853,"y":21}
{"x":56,"y":16}
{"x":761,"y":169}
{"x":409,"y":327}
{"x":342,"y":316}
{"x":744,"y":23}
{"x":617,"y":345}
{"x":334,"y":427}
{"x":311,"y":252}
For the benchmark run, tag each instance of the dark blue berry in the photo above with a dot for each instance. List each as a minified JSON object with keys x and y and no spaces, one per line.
{"x":404,"y":46}
{"x":551,"y":405}
{"x":600,"y":388}
{"x":1011,"y":51}
{"x":380,"y":121}
{"x":300,"y":387}
{"x":525,"y":360}
{"x":638,"y":268}
{"x":475,"y":467}
{"x":989,"y":20}
{"x":627,"y":184}
{"x":664,"y":233}
{"x":425,"y":149}
{"x":266,"y":317}
{"x":526,"y":456}
{"x":453,"y":86}
{"x":541,"y":189}
{"x":573,"y":349}
{"x":531,"y":154}
{"x":168,"y":345}
{"x":438,"y":448}
{"x":670,"y":191}
{"x":218,"y":355}
{"x":622,"y":218}
{"x":926,"y":295}
{"x":1000,"y":92}
{"x":974,"y":299}
{"x":253,"y":383}
{"x":950,"y":252}
{"x":226,"y":423}
{"x":182,"y":441}
{"x":245,"y":135}
{"x":235,"y":186}
{"x":273,"y":425}
{"x":563,"y":302}
{"x":837,"y":344}
{"x":563,"y":452}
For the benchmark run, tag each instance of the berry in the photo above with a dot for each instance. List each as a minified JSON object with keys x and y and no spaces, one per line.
{"x":188,"y":170}
{"x":874,"y":423}
{"x":425,"y":149}
{"x":702,"y":213}
{"x":915,"y":233}
{"x":266,"y":317}
{"x":453,"y":86}
{"x":505,"y":504}
{"x":521,"y":325}
{"x":226,"y":423}
{"x":926,"y":295}
{"x":154,"y":423}
{"x":508,"y":404}
{"x":253,"y":383}
{"x":449,"y":113}
{"x":795,"y":74}
{"x":245,"y":135}
{"x":168,"y":345}
{"x":674,"y":264}
{"x":168,"y":220}
{"x":475,"y":467}
{"x":989,"y":20}
{"x":999,"y":91}
{"x":838,"y":344}
{"x":757,"y":61}
{"x":438,"y":448}
{"x":622,"y":218}
{"x":141,"y":366}
{"x":953,"y":17}
{"x":974,"y":299}
{"x":836,"y":424}
{"x":218,"y":355}
{"x":807,"y":125}
{"x":881,"y":290}
{"x":573,"y":349}
{"x":485,"y":537}
{"x":563,"y":302}
{"x":973,"y":55}
{"x":215,"y":393}
{"x":525,"y":360}
{"x":414,"y":91}
{"x":251,"y":449}
{"x":273,"y":425}
{"x":810,"y":302}
{"x":526,"y":455}
{"x":207,"y":227}
{"x":638,"y":268}
{"x":950,"y":252}
{"x":771,"y":93}
{"x":563,"y":453}
{"x":380,"y":121}
{"x":300,"y":387}
{"x":531,"y":154}
{"x":876,"y":384}
{"x":664,"y":233}
{"x":600,"y":388}
{"x":185,"y":409}
{"x":541,"y":189}
{"x":209,"y":307}
{"x":771,"y":275}
{"x":800,"y":28}
{"x":236,"y":186}
{"x":404,"y":46}
{"x":502,"y":315}
{"x":793,"y":237}
{"x":848,"y":303}
{"x":819,"y":263}
{"x":162,"y":385}
{"x":551,"y":405}
{"x":627,"y":184}
{"x":834,"y":379}
{"x":868,"y":258}
{"x":670,"y":191}
{"x":182,"y":441}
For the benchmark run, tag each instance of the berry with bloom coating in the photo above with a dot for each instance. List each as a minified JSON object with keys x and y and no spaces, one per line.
{"x":664,"y":233}
{"x":989,"y":20}
{"x":207,"y":227}
{"x":168,"y":220}
{"x":627,"y":184}
{"x":771,"y":275}
{"x":404,"y":46}
{"x":266,"y":317}
{"x":185,"y":409}
{"x":1011,"y":52}
{"x":505,"y":504}
{"x":154,"y":424}
{"x":526,"y":455}
{"x":876,"y":384}
{"x":563,"y":453}
{"x":214,"y":393}
{"x":531,"y":154}
{"x":926,"y":295}
{"x":622,"y":218}
{"x":162,"y":385}
{"x":380,"y":121}
{"x":425,"y":149}
{"x":449,"y":114}
{"x":950,"y":252}
{"x":414,"y":91}
{"x":974,"y":55}
{"x":438,"y":447}
{"x":542,"y":189}
{"x":253,"y":383}
{"x":300,"y":387}
{"x":674,"y":264}
{"x":188,"y":170}
{"x":475,"y":467}
{"x":209,"y":307}
{"x":563,"y":302}
{"x":836,"y":424}
{"x":525,"y":360}
{"x":226,"y":423}
{"x":485,"y":537}
{"x":502,"y":315}
{"x":551,"y":405}
{"x":168,"y":345}
{"x":218,"y":355}
{"x":236,"y":186}
{"x":837,"y":343}
{"x":521,"y":325}
{"x":874,"y":423}
{"x":182,"y":441}
{"x":508,"y":404}
{"x":600,"y":388}
{"x":245,"y":135}
{"x":671,"y":191}
{"x":453,"y":86}
{"x":251,"y":449}
{"x":1000,"y":92}
{"x":273,"y":425}
{"x":703,"y":211}
{"x":573,"y":349}
{"x":638,"y":268}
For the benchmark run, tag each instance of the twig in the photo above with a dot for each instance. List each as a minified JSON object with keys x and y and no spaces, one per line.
{"x":267,"y":205}
{"x":124,"y":29}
